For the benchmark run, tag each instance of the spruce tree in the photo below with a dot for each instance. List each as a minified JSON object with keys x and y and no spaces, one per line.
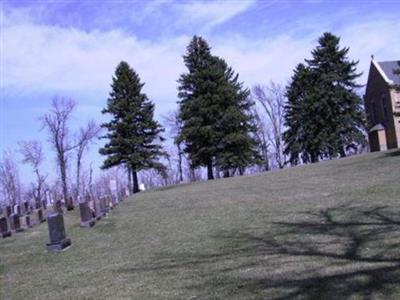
{"x":132,"y":132}
{"x":197,"y":110}
{"x":237,"y":144}
{"x":331,"y":119}
{"x":214,"y":112}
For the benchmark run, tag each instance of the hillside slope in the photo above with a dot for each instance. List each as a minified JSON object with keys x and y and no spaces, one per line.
{"x":325,"y":231}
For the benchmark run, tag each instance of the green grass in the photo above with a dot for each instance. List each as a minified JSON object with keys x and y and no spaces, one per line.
{"x":326,"y":231}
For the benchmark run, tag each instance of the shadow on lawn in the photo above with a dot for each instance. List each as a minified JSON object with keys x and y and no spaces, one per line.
{"x":393,"y":153}
{"x":334,"y":253}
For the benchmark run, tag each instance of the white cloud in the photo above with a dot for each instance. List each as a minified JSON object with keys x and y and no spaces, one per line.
{"x":67,"y":60}
{"x":212,"y":13}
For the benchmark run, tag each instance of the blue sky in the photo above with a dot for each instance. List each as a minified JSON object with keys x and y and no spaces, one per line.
{"x":71,"y":48}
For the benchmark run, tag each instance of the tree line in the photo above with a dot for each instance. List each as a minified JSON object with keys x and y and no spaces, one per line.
{"x":220,"y":126}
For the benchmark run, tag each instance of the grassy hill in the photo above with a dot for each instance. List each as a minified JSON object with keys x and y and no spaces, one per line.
{"x":325,"y":231}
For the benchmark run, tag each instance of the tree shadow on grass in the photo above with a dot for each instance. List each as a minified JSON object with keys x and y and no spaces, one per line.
{"x":335,"y":253}
{"x":392,"y":153}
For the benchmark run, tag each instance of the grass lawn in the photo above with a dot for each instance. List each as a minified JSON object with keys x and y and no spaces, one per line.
{"x":326,"y":231}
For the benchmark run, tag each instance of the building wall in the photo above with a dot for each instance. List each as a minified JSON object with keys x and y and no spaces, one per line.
{"x":380,"y":107}
{"x":396,"y":108}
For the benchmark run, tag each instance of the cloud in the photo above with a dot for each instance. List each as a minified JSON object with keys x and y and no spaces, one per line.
{"x":212,"y":13}
{"x":65,"y":60}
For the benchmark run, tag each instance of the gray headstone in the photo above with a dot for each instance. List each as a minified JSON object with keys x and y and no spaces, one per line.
{"x":40,"y":217}
{"x":58,"y":239}
{"x":16,"y":223}
{"x":86,"y":215}
{"x":57,"y":206}
{"x":28,"y":221}
{"x":26,"y":207}
{"x":8,"y":211}
{"x":70,"y":204}
{"x":4,"y":231}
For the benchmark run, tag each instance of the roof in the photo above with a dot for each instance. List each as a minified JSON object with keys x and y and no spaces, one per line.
{"x":377,"y":127}
{"x":388,"y":68}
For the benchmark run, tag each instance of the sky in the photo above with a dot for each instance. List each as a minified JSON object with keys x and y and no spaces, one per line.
{"x":71,"y":49}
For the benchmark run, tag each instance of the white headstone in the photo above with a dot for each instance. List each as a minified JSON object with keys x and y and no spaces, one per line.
{"x":113,"y":185}
{"x":141,"y":187}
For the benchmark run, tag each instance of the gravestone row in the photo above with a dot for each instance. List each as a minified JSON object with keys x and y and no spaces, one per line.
{"x":90,"y":211}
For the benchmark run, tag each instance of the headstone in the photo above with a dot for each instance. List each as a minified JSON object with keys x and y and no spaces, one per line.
{"x":96,"y":208}
{"x":28,"y":221}
{"x":70,"y":204}
{"x":86,"y":215}
{"x":37,"y":203}
{"x":8,"y":211}
{"x":142,"y":187}
{"x":17,"y":209}
{"x":4,"y":231}
{"x":106,"y":204}
{"x":26,"y":207}
{"x":41,"y":219}
{"x":16,"y":223}
{"x":57,"y":206}
{"x":58,"y":239}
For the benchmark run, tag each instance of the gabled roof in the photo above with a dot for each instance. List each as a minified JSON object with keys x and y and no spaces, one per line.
{"x":386,"y":68}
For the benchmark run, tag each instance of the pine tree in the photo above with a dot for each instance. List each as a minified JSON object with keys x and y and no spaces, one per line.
{"x":303,"y":136}
{"x":331,"y":119}
{"x":214,"y":112}
{"x":197,"y":109}
{"x":132,"y":131}
{"x":237,"y":144}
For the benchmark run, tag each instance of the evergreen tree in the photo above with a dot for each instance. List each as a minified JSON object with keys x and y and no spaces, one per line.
{"x":197,"y":110}
{"x":132,"y":131}
{"x":331,"y":118}
{"x":213,"y":110}
{"x":236,"y":143}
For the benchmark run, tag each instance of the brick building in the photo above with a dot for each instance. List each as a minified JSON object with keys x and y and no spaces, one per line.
{"x":382,"y":102}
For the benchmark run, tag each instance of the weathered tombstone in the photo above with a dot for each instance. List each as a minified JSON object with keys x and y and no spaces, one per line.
{"x":4,"y":231}
{"x":38,"y":203}
{"x":26,"y":207}
{"x":8,"y":211}
{"x":57,"y":206}
{"x":70,"y":204}
{"x":41,"y":219}
{"x":16,"y":223}
{"x":96,"y":208}
{"x":58,"y":239}
{"x":103,"y":208}
{"x":86,"y":215}
{"x":28,"y":221}
{"x":17,"y":209}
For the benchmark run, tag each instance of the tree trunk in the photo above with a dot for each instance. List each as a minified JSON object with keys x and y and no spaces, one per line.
{"x":210,"y":175}
{"x":180,"y":162}
{"x":78,"y":175}
{"x":217,"y":172}
{"x":226,"y":173}
{"x":241,"y":171}
{"x":135,"y":181}
{"x":63,"y":171}
{"x":342,"y":152}
{"x":129,"y":179}
{"x":314,"y":157}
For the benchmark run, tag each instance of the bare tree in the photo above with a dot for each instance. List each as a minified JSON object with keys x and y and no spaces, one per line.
{"x":33,"y":154}
{"x":272,"y":100}
{"x":9,"y":179}
{"x":85,"y":136}
{"x":261,"y":136}
{"x":56,"y":123}
{"x":172,"y":122}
